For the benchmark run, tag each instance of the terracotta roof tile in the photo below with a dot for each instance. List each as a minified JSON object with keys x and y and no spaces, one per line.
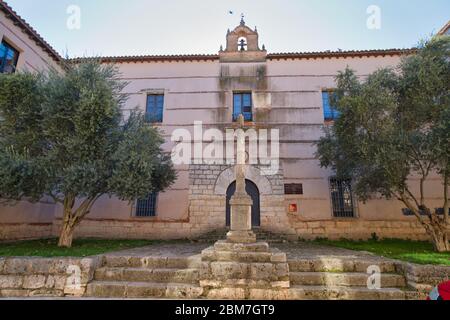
{"x":270,"y":56}
{"x":444,"y":28}
{"x":340,"y":54}
{"x":152,"y":58}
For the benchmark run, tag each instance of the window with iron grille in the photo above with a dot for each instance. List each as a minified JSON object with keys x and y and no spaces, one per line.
{"x":8,"y":58}
{"x":342,"y":198}
{"x":242,"y":104}
{"x":147,"y":207}
{"x":330,"y":111}
{"x":293,"y":188}
{"x":155,"y":108}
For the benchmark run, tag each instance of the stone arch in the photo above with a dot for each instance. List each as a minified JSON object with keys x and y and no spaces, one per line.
{"x":253,"y":174}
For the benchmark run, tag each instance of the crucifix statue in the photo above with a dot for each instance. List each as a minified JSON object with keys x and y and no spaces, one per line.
{"x":241,"y":203}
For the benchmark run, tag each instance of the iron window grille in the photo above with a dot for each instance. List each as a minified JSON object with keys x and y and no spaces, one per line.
{"x":155,"y":108}
{"x":330,"y":111}
{"x":8,"y":58}
{"x":342,"y":198}
{"x":242,"y":104}
{"x":147,"y":207}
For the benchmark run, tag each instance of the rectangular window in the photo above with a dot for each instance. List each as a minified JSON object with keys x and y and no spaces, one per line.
{"x":342,"y":198}
{"x":155,"y":108}
{"x":242,"y":104}
{"x":330,"y":112}
{"x":8,"y":58}
{"x":293,"y":188}
{"x":147,"y":207}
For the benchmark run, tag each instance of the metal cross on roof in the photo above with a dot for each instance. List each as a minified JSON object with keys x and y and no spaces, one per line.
{"x":242,"y":20}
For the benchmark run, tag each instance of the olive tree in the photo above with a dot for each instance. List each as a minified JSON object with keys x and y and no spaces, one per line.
{"x":394,"y":130}
{"x":62,"y":135}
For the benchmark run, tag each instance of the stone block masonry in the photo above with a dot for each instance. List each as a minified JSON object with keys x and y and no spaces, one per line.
{"x":39,"y":277}
{"x":20,"y":231}
{"x":356,"y":229}
{"x":207,"y":198}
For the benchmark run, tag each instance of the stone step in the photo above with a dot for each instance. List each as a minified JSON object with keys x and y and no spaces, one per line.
{"x":152,"y":262}
{"x":344,"y":279}
{"x":242,"y":247}
{"x":346,"y":293}
{"x":329,"y":293}
{"x":120,"y":289}
{"x":273,"y":256}
{"x":326,"y":264}
{"x":148,"y":275}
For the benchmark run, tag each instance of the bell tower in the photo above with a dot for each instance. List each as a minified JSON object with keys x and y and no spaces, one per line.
{"x":243,"y":45}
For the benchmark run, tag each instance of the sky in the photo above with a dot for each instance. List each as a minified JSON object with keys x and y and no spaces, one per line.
{"x":139,"y":27}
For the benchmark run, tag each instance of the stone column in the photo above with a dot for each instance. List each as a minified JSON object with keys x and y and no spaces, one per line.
{"x":241,"y":203}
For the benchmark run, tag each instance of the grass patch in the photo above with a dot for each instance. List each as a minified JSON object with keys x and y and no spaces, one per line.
{"x":419,"y":252}
{"x":81,"y":247}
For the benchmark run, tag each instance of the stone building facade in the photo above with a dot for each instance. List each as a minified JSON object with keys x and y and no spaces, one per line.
{"x":287,"y":92}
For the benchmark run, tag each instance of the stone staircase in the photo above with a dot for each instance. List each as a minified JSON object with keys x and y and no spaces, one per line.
{"x":337,"y":279}
{"x":311,"y":277}
{"x":146,"y":277}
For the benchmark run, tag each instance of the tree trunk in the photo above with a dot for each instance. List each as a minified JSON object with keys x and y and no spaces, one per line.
{"x":73,"y":217}
{"x":438,"y":229}
{"x":66,"y":235}
{"x":439,"y":237}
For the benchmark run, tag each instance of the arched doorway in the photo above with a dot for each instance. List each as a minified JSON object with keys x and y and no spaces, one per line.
{"x":253,"y":191}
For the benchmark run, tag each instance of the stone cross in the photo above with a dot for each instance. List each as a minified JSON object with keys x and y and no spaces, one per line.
{"x":240,"y":165}
{"x":241,"y":202}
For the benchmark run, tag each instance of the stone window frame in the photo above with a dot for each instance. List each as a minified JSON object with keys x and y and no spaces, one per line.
{"x":155,"y":91}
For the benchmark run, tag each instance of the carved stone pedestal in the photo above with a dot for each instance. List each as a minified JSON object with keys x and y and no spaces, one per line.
{"x":241,"y":220}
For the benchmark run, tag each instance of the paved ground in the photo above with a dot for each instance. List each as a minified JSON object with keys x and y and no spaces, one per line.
{"x":300,"y":250}
{"x":181,"y":249}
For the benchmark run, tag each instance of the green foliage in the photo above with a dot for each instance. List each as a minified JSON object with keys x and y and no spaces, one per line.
{"x":393,"y":124}
{"x":81,"y":247}
{"x":63,"y":135}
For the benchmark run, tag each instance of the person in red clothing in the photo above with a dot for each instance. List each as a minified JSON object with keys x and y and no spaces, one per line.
{"x":441,"y":292}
